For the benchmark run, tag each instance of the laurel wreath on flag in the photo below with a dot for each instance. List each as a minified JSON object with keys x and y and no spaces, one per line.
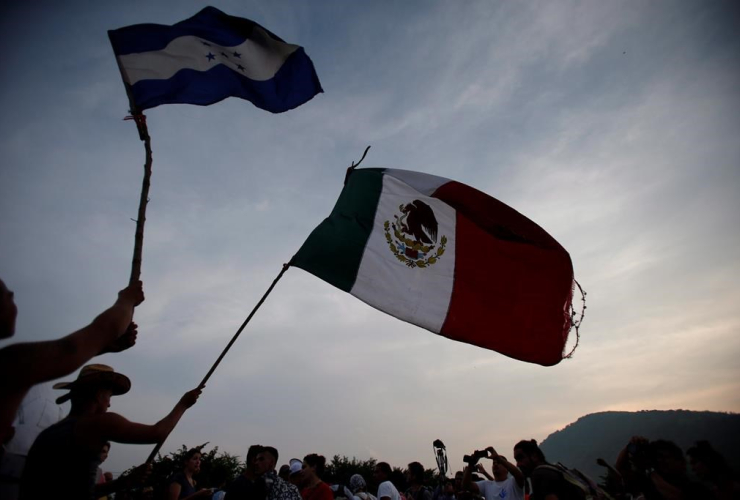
{"x":414,"y":245}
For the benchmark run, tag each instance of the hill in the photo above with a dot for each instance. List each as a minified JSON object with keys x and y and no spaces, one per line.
{"x":604,"y":434}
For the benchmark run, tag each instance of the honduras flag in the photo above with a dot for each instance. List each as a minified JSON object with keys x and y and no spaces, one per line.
{"x":210,"y":57}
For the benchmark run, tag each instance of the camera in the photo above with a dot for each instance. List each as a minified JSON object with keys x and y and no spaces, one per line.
{"x":477,"y":455}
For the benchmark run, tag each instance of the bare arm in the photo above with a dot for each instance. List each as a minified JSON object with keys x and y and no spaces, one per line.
{"x":36,"y":362}
{"x":467,"y":482}
{"x":611,"y":471}
{"x":513,"y":470}
{"x":114,"y":427}
{"x":482,"y":470}
{"x":173,"y":492}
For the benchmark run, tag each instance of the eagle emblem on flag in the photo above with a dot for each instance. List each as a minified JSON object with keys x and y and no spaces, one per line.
{"x":414,"y":235}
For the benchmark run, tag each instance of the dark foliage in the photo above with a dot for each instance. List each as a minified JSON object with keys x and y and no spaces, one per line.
{"x":216,"y":469}
{"x":340,"y":469}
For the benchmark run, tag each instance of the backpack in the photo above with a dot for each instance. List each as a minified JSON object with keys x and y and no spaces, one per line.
{"x":591,"y":490}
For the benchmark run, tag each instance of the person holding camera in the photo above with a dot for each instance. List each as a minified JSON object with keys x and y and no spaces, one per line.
{"x":508,"y":481}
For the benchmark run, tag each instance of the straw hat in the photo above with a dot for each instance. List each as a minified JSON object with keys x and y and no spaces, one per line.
{"x":95,"y":376}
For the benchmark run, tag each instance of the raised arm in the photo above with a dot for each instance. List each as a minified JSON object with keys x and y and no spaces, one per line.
{"x":513,"y":469}
{"x":483,"y":471}
{"x":467,"y":482}
{"x":610,"y":470}
{"x":114,"y":427}
{"x":624,"y":461}
{"x":36,"y":362}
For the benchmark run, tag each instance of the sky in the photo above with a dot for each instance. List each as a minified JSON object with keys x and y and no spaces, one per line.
{"x":613,"y":125}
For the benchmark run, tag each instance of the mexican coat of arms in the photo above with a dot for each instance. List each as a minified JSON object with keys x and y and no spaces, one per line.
{"x":412,"y":236}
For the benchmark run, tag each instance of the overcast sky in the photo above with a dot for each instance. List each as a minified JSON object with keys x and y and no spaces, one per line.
{"x":614,"y":125}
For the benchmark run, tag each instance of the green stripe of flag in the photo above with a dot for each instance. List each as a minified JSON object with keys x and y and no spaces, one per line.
{"x":334,"y":249}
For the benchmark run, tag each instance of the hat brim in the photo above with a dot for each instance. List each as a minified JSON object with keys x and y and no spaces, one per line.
{"x":117,"y":382}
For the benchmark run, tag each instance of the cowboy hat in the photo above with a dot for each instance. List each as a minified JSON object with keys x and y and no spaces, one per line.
{"x":95,"y":376}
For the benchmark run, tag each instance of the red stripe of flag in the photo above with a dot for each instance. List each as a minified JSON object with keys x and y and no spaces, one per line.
{"x":513,"y":281}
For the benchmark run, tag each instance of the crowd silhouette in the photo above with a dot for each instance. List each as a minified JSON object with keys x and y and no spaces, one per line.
{"x":64,"y":461}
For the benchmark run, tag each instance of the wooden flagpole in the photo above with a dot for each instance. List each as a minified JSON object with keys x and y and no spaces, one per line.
{"x":156,"y":449}
{"x":140,"y":120}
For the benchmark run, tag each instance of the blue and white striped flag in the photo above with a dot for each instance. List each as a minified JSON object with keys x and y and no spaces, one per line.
{"x":210,"y":57}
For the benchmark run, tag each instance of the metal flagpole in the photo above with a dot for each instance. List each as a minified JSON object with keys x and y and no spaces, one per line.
{"x":156,"y":449}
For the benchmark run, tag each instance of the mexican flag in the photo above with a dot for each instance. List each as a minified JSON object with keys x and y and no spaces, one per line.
{"x":448,"y":258}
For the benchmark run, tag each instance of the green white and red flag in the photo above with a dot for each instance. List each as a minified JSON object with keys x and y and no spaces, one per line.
{"x":449,"y":258}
